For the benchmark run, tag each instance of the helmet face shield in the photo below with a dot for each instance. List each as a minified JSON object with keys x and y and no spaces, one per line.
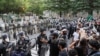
{"x":21,"y":34}
{"x":5,"y":37}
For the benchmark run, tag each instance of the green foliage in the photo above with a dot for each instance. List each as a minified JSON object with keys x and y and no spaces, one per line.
{"x":85,"y":5}
{"x":59,"y":5}
{"x":17,"y":6}
{"x":37,"y":6}
{"x":74,"y":5}
{"x":22,"y":6}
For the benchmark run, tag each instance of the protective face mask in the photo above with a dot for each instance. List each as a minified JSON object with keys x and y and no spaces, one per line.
{"x":7,"y":39}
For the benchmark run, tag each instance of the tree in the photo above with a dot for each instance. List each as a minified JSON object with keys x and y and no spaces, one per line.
{"x":16,"y":6}
{"x":60,"y":6}
{"x":23,"y":5}
{"x":37,"y":6}
{"x":85,"y":5}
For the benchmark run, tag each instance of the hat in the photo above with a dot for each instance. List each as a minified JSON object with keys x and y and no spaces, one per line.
{"x":64,"y":30}
{"x":94,"y":44}
{"x":55,"y":34}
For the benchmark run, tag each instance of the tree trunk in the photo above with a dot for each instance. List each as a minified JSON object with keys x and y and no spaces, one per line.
{"x":60,"y":13}
{"x":90,"y":11}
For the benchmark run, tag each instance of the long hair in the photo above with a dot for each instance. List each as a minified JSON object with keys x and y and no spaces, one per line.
{"x":83,"y":45}
{"x":83,"y":42}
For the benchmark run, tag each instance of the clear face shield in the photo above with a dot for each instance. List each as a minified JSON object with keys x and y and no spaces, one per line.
{"x":6,"y":38}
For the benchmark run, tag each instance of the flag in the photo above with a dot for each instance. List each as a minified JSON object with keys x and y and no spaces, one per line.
{"x":89,"y":18}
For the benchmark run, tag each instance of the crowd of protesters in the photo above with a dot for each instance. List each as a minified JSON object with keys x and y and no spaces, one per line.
{"x":85,"y":39}
{"x":83,"y":35}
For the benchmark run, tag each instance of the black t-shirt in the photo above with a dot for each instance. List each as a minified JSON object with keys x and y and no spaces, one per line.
{"x":63,"y":53}
{"x":54,"y":50}
{"x":81,"y":51}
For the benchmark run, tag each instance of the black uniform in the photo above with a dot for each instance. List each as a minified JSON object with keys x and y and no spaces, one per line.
{"x":3,"y":49}
{"x":40,"y":43}
{"x":71,"y":31}
{"x":54,"y":50}
{"x":24,"y":45}
{"x":4,"y":46}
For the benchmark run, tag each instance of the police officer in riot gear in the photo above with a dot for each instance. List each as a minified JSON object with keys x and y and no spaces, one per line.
{"x":23,"y":45}
{"x":51,"y":32}
{"x":5,"y":46}
{"x":20,"y":42}
{"x":27,"y":47}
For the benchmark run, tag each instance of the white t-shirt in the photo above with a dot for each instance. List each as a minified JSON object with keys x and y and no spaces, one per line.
{"x":76,"y":36}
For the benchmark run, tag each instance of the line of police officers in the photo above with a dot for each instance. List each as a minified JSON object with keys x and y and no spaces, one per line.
{"x":23,"y":45}
{"x":21,"y":48}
